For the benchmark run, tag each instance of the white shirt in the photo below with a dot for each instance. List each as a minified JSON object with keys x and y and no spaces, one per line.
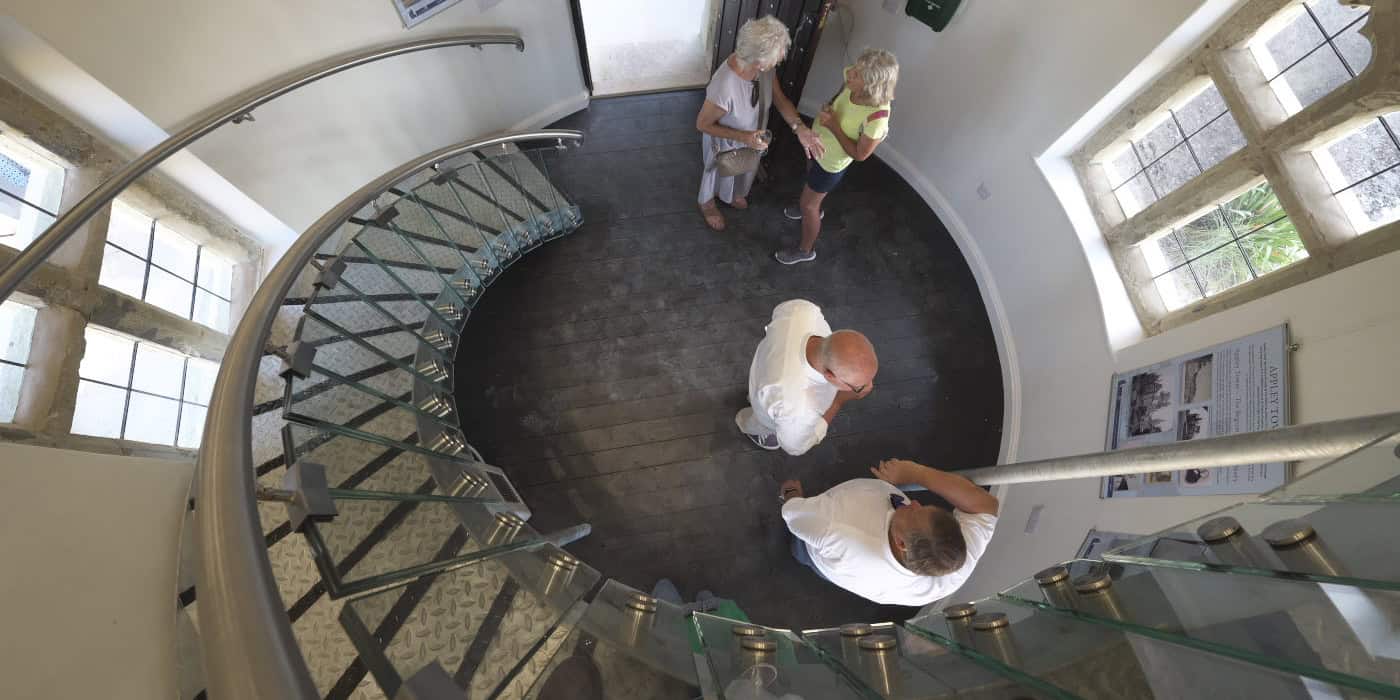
{"x":786,"y":393}
{"x":847,"y":534}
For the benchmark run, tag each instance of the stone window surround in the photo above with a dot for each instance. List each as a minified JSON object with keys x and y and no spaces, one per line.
{"x":1278,"y":147}
{"x":66,"y":292}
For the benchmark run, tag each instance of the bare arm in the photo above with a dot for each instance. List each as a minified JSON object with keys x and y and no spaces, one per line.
{"x":858,"y":150}
{"x":707,"y":121}
{"x":809,"y":140}
{"x":844,"y":396}
{"x":963,"y":494}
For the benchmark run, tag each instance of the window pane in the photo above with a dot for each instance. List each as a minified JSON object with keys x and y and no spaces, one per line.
{"x":10,"y":379}
{"x":1358,"y":155}
{"x":129,"y":229}
{"x":1162,"y":253}
{"x":1274,"y":246}
{"x":16,"y":331}
{"x":106,"y":358}
{"x":191,"y":425}
{"x":210,"y":310}
{"x":1173,"y":170}
{"x":1355,"y":49}
{"x":199,"y":380}
{"x":122,"y":272}
{"x":152,"y":419}
{"x":14,"y":177}
{"x":1177,"y":289}
{"x":216,"y":273}
{"x":1217,"y":141}
{"x":174,"y":252}
{"x":158,"y":370}
{"x":1201,"y":109}
{"x":1158,"y":141}
{"x":1393,"y":121}
{"x":169,"y":293}
{"x":1135,"y":195}
{"x":1315,"y":76}
{"x":1206,"y":233}
{"x":1374,"y":202}
{"x":1122,"y":167}
{"x":1253,"y":209}
{"x":98,"y":410}
{"x":1295,"y":40}
{"x":1334,"y":15}
{"x":1221,"y":270}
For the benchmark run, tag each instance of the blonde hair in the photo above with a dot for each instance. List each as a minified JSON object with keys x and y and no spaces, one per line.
{"x":879,"y":71}
{"x":762,"y":42}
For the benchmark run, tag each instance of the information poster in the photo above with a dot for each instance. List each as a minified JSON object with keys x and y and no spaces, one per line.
{"x":414,"y":11}
{"x":1236,"y":387}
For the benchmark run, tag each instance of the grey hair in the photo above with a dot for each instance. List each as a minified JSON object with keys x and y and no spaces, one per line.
{"x":879,"y":71}
{"x":938,"y":550}
{"x":762,"y":42}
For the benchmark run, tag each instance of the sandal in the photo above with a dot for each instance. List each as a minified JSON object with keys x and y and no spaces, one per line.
{"x":713,"y":218}
{"x":740,"y":203}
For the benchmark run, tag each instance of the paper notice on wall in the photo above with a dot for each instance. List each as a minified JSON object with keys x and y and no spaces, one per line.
{"x":1236,"y":387}
{"x":414,"y":11}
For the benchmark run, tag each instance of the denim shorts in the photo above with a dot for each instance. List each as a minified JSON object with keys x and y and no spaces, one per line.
{"x":819,"y":180}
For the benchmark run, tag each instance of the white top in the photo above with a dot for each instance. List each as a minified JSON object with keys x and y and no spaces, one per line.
{"x":786,"y":393}
{"x":847,"y":534}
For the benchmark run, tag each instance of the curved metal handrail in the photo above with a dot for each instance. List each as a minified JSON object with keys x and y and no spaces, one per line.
{"x":235,"y":108}
{"x":249,"y":650}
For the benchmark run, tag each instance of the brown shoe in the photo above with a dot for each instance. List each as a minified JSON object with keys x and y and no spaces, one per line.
{"x":713,"y":218}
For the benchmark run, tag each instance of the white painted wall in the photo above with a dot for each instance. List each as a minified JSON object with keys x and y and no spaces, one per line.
{"x":978,"y":103}
{"x":87,"y":591}
{"x":307,"y":150}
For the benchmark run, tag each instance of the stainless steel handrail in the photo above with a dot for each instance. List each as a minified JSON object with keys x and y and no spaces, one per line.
{"x":1298,"y":442}
{"x":249,"y":651}
{"x":234,"y":108}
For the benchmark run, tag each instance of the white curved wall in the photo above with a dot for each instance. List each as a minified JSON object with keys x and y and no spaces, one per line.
{"x":979,"y":103}
{"x":307,"y":150}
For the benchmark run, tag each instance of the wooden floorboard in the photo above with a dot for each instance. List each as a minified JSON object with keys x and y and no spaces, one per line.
{"x":606,"y":368}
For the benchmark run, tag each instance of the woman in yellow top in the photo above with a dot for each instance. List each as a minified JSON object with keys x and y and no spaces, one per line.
{"x":850,"y":128}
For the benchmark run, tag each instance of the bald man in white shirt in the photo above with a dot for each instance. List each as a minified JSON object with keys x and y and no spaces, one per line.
{"x":867,"y":537}
{"x":801,"y":375}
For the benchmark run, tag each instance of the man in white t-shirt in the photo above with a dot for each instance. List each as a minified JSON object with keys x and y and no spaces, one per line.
{"x":801,"y":375}
{"x":867,"y":537}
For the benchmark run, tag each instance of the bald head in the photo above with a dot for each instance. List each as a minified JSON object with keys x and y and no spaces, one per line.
{"x":849,"y":356}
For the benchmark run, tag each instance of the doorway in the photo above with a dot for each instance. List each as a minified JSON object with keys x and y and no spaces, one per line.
{"x":637,"y":46}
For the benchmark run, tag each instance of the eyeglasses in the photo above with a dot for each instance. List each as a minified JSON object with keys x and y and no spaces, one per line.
{"x":753,"y":94}
{"x":854,"y":389}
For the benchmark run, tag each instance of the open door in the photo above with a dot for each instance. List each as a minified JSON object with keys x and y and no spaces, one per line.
{"x":632,"y":46}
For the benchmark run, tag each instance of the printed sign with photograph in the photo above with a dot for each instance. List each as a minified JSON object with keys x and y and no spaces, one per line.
{"x":1236,"y":387}
{"x":414,"y":11}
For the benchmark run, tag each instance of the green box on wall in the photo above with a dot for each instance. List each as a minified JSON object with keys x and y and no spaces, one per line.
{"x":934,"y":13}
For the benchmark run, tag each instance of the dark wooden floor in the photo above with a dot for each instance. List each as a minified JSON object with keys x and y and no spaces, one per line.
{"x":607,"y":367}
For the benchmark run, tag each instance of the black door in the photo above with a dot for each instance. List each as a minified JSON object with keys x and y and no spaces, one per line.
{"x":804,"y":19}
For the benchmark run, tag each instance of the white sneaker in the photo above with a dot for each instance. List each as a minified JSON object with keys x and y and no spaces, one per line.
{"x":767,"y":442}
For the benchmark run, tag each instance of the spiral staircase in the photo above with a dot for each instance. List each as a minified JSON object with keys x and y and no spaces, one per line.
{"x":345,"y":541}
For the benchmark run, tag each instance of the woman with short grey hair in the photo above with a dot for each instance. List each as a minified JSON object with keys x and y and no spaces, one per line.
{"x":736,"y":101}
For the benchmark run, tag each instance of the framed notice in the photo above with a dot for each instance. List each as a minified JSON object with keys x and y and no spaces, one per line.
{"x":414,"y":11}
{"x":1235,"y":387}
